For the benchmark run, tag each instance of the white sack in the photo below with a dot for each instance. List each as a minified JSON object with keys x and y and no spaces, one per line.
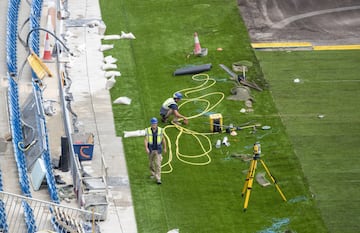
{"x":109,"y":74}
{"x":105,"y":47}
{"x":110,"y":83}
{"x":110,"y":59}
{"x":135,"y":133}
{"x":108,"y":66}
{"x":122,"y":100}
{"x":111,"y":37}
{"x":127,"y":35}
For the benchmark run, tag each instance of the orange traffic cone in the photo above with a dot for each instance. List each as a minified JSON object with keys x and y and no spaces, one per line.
{"x":47,"y":52}
{"x":197,"y":47}
{"x":198,"y":51}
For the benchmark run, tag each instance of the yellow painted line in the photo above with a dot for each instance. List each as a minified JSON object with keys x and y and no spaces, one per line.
{"x":280,"y":45}
{"x":336,"y":47}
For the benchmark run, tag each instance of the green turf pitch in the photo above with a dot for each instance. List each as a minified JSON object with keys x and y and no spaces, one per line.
{"x":194,"y":198}
{"x":321,"y":115}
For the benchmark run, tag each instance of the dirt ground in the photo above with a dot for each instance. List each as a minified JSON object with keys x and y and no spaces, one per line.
{"x":321,"y":22}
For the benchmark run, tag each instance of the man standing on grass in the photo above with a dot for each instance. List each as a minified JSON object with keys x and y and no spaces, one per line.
{"x":170,"y":107}
{"x":154,"y":144}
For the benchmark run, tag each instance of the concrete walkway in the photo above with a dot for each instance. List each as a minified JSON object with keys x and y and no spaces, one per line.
{"x":92,"y":104}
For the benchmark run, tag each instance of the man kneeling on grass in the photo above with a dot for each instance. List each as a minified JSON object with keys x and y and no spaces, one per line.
{"x":170,"y":107}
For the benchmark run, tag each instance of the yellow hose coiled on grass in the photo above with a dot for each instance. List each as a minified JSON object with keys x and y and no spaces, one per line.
{"x":206,"y":149}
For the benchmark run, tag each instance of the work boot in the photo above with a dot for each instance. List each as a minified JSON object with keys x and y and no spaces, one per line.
{"x":163,"y":119}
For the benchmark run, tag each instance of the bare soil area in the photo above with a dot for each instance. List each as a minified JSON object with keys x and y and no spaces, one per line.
{"x":321,"y":22}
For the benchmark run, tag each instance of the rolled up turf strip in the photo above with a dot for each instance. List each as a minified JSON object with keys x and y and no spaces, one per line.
{"x":192,"y":69}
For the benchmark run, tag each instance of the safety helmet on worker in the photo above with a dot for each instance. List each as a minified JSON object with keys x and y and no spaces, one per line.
{"x":178,"y":95}
{"x":154,"y":120}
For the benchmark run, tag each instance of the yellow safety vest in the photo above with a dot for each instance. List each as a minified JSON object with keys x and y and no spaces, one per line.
{"x":158,"y":138}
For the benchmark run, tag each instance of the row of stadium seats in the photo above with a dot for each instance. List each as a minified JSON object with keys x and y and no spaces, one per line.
{"x":3,"y":224}
{"x":15,"y":111}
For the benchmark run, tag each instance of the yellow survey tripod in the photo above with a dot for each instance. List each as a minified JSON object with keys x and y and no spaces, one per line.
{"x":251,"y":173}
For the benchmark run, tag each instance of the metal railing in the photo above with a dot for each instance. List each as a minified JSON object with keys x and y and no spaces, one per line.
{"x":47,"y":215}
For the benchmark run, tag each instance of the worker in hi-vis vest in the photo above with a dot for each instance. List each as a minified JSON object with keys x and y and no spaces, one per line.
{"x":170,"y":107}
{"x":154,"y":145}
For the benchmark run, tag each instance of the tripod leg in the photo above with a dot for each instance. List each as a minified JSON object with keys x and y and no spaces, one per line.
{"x":247,"y":177}
{"x":250,"y":183}
{"x":273,"y":180}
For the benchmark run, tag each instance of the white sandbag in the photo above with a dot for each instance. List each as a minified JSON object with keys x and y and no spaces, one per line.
{"x":111,"y":37}
{"x":109,"y":66}
{"x":101,"y":28}
{"x":109,"y":74}
{"x":105,"y":47}
{"x":127,"y":35}
{"x":122,"y":100}
{"x":110,"y":83}
{"x":173,"y":231}
{"x":135,"y":133}
{"x":110,"y":59}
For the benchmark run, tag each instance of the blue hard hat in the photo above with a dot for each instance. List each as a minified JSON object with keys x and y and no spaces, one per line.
{"x":178,"y":95}
{"x":154,"y":120}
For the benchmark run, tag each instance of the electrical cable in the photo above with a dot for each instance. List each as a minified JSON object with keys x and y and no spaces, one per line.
{"x":26,"y":147}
